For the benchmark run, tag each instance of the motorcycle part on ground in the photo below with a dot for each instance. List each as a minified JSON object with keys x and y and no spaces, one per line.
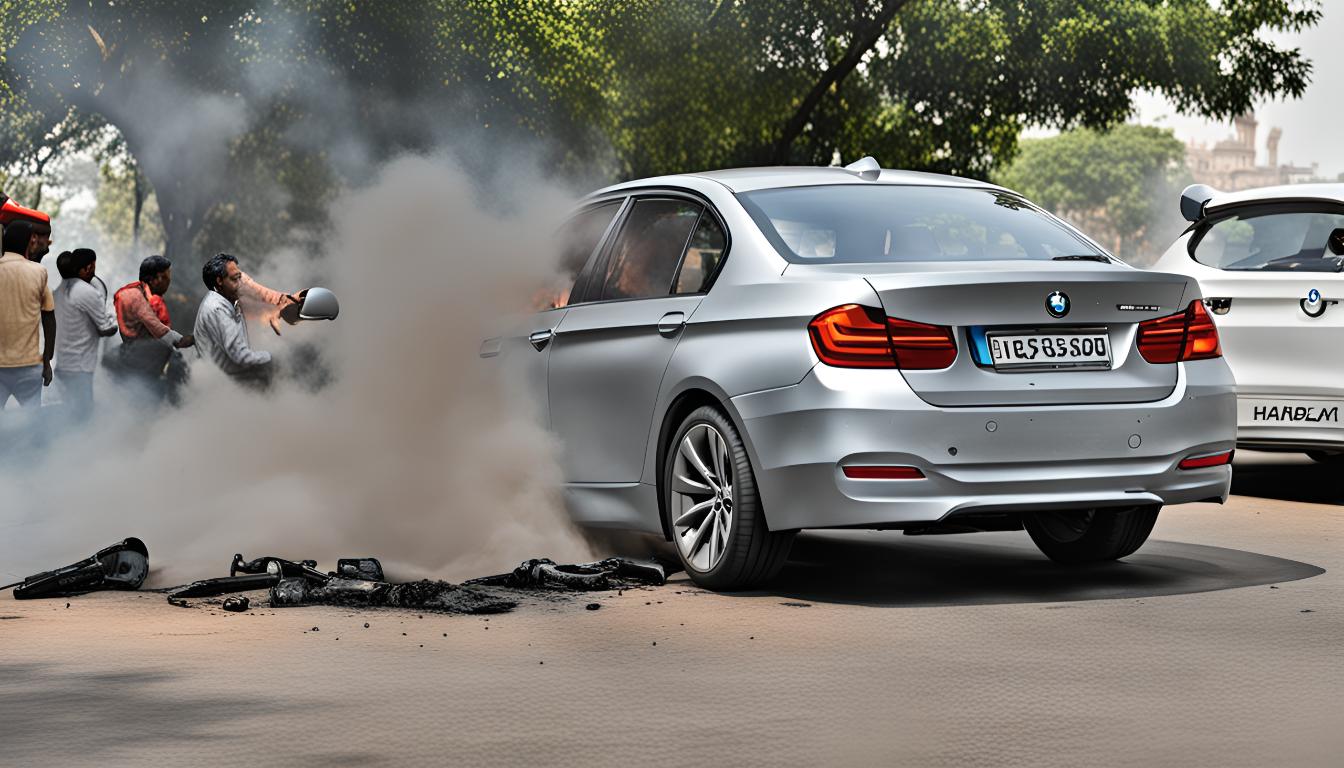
{"x":224,"y":585}
{"x":123,"y":565}
{"x":261,"y":564}
{"x":367,"y":568}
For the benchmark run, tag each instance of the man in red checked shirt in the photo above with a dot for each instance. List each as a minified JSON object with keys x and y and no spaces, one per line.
{"x":149,"y":344}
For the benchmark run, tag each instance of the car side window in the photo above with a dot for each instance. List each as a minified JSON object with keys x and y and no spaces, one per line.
{"x":703,"y":255}
{"x":576,"y":241}
{"x":645,"y":255}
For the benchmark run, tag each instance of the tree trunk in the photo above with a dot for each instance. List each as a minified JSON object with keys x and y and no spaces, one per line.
{"x":864,"y":36}
{"x":139,"y":192}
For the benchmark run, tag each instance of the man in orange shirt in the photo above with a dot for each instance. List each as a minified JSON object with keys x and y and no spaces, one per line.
{"x":26,"y":306}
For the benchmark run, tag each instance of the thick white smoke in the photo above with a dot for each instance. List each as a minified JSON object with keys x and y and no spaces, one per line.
{"x":417,"y":451}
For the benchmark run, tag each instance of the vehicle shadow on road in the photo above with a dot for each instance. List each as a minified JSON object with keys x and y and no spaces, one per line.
{"x":1288,"y":477}
{"x":888,"y":569}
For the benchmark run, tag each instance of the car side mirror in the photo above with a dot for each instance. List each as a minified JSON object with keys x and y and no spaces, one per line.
{"x":319,"y":304}
{"x":1336,"y":242}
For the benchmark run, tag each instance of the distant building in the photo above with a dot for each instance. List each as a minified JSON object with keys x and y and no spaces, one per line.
{"x":1229,"y":165}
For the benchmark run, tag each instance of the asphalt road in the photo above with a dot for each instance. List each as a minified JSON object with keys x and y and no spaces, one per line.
{"x":1220,"y":643}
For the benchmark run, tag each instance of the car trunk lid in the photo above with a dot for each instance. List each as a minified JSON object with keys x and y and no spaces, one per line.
{"x":1008,"y":301}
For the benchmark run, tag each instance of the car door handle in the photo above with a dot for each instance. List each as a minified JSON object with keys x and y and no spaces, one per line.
{"x":671,"y":323}
{"x":539,"y":339}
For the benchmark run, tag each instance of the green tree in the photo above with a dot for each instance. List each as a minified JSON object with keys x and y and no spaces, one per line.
{"x":243,"y":115}
{"x":925,"y":84}
{"x":1120,"y":186}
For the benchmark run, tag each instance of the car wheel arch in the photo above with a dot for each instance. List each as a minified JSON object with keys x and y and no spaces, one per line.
{"x":682,"y":404}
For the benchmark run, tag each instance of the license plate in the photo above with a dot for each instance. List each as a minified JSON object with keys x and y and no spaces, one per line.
{"x":1290,"y":413}
{"x":1086,"y":349}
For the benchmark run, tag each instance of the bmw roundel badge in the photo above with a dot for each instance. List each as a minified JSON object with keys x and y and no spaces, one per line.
{"x":1057,"y":304}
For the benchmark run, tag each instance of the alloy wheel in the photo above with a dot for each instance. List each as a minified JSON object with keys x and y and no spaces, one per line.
{"x":702,"y":496}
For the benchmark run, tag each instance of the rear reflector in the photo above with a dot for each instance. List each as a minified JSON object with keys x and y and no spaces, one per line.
{"x":1211,"y":460}
{"x":883,"y":473}
{"x":854,"y":336}
{"x":1188,"y":335}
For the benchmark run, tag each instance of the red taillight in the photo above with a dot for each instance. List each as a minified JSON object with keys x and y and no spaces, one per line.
{"x":854,"y":336}
{"x":883,"y":473}
{"x":919,"y":346}
{"x":1211,"y":460}
{"x":1188,"y":335}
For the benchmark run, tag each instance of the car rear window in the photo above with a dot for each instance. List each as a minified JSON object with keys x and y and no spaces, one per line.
{"x":857,"y":223}
{"x":1272,"y":238}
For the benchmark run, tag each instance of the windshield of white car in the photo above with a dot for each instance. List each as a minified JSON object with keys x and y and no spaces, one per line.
{"x":853,"y":223}
{"x":1270,"y":238}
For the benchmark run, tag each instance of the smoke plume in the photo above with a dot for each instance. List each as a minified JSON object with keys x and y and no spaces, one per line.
{"x":416,"y":450}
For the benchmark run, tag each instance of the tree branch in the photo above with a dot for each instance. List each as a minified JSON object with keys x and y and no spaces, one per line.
{"x":863,"y":39}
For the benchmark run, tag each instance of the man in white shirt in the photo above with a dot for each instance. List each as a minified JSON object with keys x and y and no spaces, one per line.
{"x":82,"y":319}
{"x":221,"y":329}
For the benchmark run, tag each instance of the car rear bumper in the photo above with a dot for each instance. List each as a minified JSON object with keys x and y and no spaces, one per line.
{"x":1312,"y":422}
{"x":977,"y":458}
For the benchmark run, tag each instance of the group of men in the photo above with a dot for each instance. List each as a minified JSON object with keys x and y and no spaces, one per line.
{"x":46,"y":335}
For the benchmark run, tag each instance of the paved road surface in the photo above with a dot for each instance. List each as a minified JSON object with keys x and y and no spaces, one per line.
{"x":1221,"y":643}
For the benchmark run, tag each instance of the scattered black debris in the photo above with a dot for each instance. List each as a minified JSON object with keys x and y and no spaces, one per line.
{"x":366,"y":625}
{"x":67,"y":605}
{"x":7,"y":618}
{"x":315,"y":629}
{"x":123,"y":565}
{"x":655,"y":642}
{"x":422,"y":595}
{"x":236,"y":604}
{"x":612,"y":573}
{"x":592,"y":606}
{"x":179,"y":602}
{"x":797,"y":605}
{"x":1271,"y":586}
{"x":1306,"y":610}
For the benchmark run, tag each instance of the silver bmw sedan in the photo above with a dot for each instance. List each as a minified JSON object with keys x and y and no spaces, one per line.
{"x":743,"y":354}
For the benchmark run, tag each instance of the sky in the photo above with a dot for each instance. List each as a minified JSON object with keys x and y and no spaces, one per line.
{"x":1312,"y":125}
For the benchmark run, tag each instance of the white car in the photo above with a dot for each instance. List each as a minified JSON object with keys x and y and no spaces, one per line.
{"x":1270,"y":263}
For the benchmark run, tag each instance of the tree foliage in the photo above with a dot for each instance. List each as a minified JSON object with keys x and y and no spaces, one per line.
{"x":1121,"y":185}
{"x":244,"y":115}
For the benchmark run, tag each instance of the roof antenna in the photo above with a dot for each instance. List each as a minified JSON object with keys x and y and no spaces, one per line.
{"x":865,"y":168}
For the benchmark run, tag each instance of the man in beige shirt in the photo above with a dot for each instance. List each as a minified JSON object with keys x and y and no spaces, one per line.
{"x":26,"y":307}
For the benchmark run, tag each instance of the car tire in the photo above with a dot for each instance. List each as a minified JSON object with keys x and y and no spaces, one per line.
{"x":1326,"y":457}
{"x":750,"y":554}
{"x":1092,"y":535}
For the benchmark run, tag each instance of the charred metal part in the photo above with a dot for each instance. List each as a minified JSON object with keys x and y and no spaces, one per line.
{"x":367,"y":568}
{"x":439,"y":596}
{"x":236,"y":604}
{"x":224,"y":585}
{"x":123,"y":565}
{"x":612,"y":573}
{"x":281,"y":566}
